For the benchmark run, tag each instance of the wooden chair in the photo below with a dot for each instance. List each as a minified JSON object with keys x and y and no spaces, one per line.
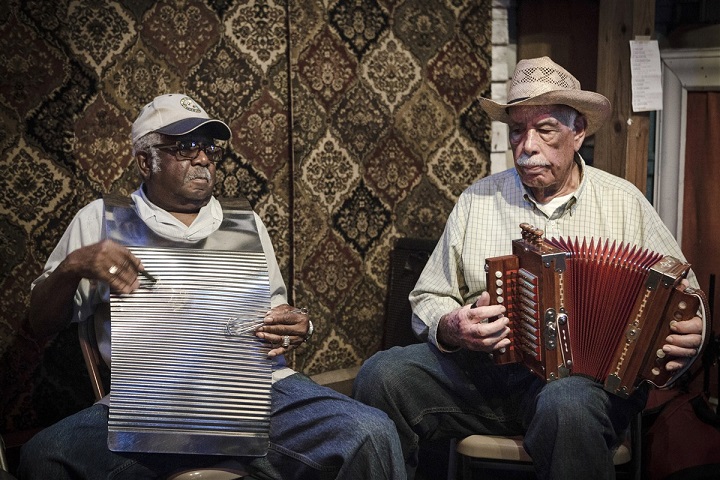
{"x":491,"y":453}
{"x":4,"y":467}
{"x":224,"y":470}
{"x":3,"y":459}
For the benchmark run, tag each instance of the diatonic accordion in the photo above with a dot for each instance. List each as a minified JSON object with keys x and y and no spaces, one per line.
{"x":591,"y":308}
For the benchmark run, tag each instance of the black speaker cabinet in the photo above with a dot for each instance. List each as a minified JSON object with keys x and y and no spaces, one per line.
{"x":407,"y":261}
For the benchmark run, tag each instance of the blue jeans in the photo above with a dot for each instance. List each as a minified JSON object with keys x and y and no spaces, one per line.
{"x":316,"y":433}
{"x":571,"y":426}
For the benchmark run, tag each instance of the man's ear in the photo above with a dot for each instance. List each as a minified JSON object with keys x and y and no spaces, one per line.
{"x":580,"y":131}
{"x":144,"y":164}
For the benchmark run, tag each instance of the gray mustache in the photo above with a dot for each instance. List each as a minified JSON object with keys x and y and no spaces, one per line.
{"x":200,"y":172}
{"x":526,"y":160}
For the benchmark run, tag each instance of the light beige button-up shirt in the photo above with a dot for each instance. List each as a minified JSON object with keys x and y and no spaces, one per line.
{"x":486,"y":220}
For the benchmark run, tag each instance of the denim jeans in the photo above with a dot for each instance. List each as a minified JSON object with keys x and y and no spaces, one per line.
{"x":316,"y":433}
{"x":571,"y":426}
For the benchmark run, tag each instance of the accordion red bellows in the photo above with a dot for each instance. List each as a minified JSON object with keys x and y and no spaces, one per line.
{"x":591,"y":308}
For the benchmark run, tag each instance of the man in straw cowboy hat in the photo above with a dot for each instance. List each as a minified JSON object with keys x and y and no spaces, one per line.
{"x":448,"y":387}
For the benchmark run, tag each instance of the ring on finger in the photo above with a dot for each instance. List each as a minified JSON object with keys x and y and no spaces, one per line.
{"x":113,"y":270}
{"x":286,"y":341}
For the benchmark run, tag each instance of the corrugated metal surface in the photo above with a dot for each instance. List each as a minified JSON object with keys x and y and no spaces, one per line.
{"x":181,"y":382}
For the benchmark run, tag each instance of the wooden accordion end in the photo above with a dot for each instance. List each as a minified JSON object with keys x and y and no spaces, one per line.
{"x":595,"y":309}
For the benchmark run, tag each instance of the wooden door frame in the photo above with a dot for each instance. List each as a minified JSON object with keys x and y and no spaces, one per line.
{"x":683,"y":70}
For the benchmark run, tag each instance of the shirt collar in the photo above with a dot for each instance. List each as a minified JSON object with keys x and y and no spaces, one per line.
{"x":147,"y":210}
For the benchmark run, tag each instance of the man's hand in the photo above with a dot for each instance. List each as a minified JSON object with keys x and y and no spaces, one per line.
{"x":475,"y":327}
{"x":51,"y":301}
{"x":285,"y":327}
{"x":108,"y":262}
{"x":685,"y":341}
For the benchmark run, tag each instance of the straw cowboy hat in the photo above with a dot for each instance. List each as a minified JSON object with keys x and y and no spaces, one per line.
{"x":540,"y":81}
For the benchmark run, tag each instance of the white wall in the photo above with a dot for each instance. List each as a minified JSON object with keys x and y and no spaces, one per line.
{"x":504,"y":58}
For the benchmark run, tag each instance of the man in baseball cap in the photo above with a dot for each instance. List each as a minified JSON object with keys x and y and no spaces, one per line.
{"x":450,"y":386}
{"x":316,"y":433}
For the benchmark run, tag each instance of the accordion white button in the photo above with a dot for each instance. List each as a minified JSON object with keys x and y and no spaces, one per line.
{"x":660,"y":353}
{"x":500,"y":299}
{"x":499,"y":291}
{"x":498,"y":274}
{"x":656,"y":371}
{"x":498,"y":282}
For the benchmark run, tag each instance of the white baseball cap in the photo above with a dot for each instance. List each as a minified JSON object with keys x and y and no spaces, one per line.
{"x":176,"y":114}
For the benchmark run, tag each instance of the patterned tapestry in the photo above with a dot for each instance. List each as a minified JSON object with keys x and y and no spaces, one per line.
{"x":355,"y":123}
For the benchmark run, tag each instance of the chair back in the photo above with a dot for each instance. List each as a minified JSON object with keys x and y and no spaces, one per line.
{"x":93,"y":360}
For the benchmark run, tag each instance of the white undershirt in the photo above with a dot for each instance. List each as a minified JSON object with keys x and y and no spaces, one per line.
{"x":549,"y":208}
